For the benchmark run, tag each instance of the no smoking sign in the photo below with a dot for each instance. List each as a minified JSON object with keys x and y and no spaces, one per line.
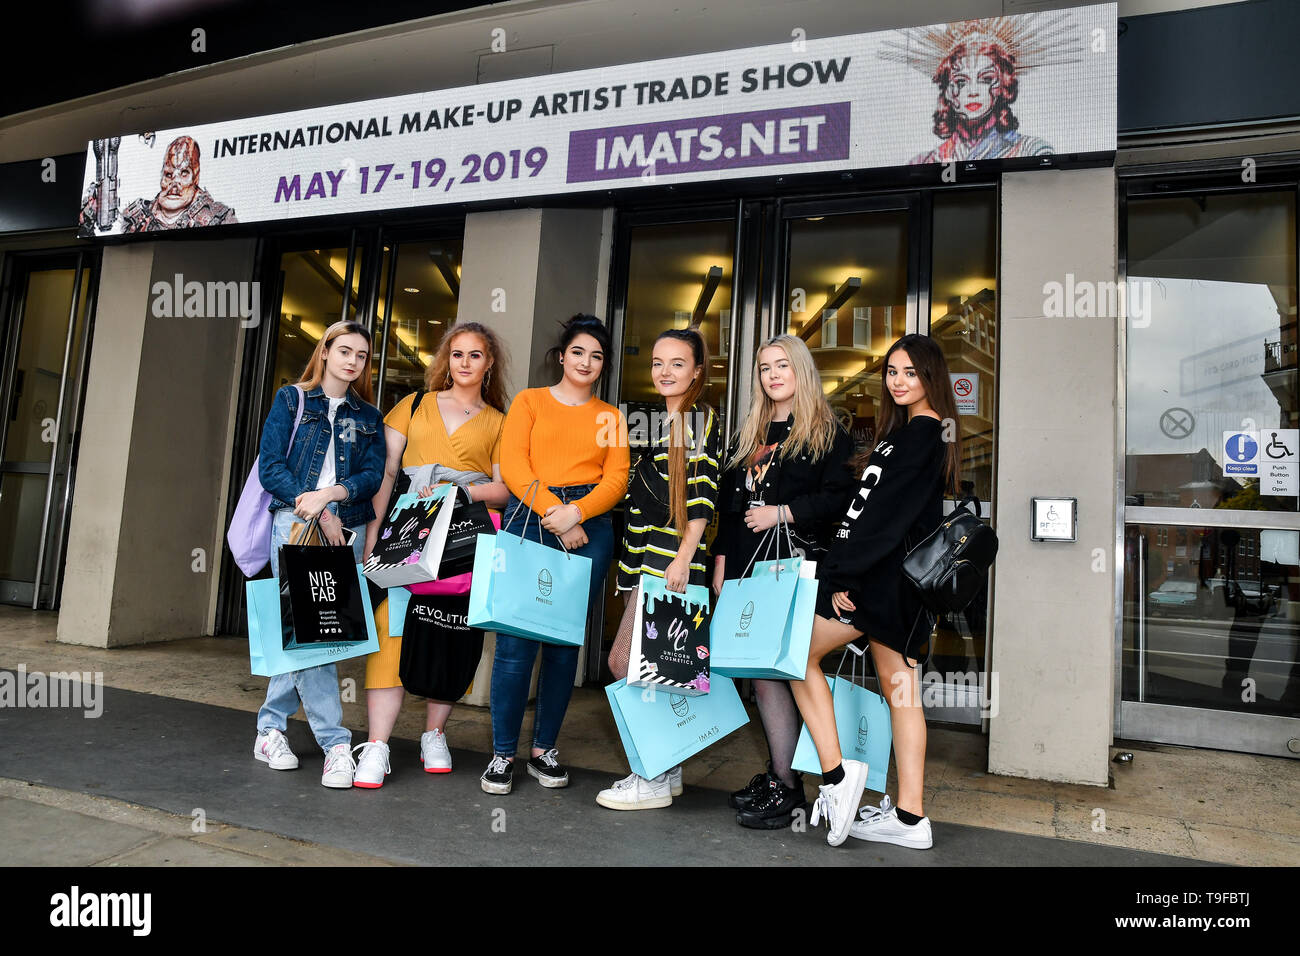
{"x":966,"y":392}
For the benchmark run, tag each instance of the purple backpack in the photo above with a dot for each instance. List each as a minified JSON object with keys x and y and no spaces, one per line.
{"x":250,"y":529}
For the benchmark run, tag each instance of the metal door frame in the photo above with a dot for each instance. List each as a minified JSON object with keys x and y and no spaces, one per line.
{"x":1170,"y":723}
{"x":18,"y":267}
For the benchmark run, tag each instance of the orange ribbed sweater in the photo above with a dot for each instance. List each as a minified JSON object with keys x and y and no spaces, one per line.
{"x":545,"y":440}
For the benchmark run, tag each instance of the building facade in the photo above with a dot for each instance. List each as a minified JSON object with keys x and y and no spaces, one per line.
{"x":1109,"y":263}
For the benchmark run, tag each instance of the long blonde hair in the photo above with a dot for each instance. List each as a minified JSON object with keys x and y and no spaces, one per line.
{"x":493,"y":386}
{"x":314,"y":371}
{"x":812,"y":429}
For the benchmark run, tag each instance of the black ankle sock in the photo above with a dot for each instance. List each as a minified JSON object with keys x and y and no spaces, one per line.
{"x":911,"y":819}
{"x":834,"y":776}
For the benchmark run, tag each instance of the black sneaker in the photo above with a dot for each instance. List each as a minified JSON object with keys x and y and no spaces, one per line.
{"x":499,"y":775}
{"x":774,"y":809}
{"x":546,"y":768}
{"x":756,"y":787}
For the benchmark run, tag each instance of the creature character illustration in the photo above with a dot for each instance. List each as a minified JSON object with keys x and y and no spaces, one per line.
{"x":976,"y":64}
{"x":180,"y":203}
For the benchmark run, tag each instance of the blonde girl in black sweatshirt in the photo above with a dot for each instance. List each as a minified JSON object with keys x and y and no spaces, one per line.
{"x":899,"y":500}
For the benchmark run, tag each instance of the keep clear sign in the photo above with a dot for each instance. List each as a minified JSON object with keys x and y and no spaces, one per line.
{"x":1279,"y":465}
{"x":1241,"y":454}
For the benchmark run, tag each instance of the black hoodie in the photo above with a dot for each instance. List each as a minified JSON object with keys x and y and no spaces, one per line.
{"x":899,"y":501}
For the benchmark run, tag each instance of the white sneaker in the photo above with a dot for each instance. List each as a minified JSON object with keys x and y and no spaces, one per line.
{"x":634,"y":792}
{"x":837,"y":801}
{"x":434,"y":753}
{"x":339,"y":768}
{"x":272,"y":748}
{"x":881,"y":825}
{"x":675,"y":780}
{"x":373,"y":766}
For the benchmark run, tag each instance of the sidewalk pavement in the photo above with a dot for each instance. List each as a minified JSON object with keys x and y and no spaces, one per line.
{"x":181,"y":743}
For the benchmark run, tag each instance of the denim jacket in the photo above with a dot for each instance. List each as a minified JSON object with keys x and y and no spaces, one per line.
{"x":359,"y":451}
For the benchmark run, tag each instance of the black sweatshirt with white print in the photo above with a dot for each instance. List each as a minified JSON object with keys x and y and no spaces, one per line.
{"x":898,"y":502}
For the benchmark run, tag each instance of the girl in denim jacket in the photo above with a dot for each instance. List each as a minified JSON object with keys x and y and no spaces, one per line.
{"x":333,"y":469}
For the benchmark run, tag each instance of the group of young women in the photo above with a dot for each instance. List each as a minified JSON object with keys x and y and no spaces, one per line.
{"x":552,"y":458}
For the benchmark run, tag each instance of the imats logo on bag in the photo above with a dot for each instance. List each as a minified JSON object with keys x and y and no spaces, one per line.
{"x":747,"y":616}
{"x":682,"y":708}
{"x":544,"y":584}
{"x":862,"y":732}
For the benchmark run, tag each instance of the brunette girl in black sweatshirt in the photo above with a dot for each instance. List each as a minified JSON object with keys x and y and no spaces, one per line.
{"x":862,"y":590}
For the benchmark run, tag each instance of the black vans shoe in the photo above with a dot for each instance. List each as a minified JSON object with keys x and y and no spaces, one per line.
{"x":774,"y":809}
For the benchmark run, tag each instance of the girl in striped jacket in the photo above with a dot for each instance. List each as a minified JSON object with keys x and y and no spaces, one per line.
{"x":672,"y":494}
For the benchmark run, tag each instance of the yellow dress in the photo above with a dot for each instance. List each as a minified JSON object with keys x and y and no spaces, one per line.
{"x":474,"y":446}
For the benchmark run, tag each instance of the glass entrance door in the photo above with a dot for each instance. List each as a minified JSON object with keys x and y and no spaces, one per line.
{"x":47,"y":327}
{"x":1210,"y":633}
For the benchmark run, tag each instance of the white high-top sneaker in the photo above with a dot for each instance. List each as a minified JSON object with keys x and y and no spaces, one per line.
{"x":635,"y":792}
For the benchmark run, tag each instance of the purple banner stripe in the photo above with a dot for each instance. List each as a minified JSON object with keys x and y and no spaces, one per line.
{"x":794,"y":134}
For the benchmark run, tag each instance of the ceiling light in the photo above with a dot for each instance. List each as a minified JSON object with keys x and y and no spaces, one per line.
{"x":410,"y":288}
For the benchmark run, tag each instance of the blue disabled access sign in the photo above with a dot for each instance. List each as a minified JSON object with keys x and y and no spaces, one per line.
{"x":1241,"y":454}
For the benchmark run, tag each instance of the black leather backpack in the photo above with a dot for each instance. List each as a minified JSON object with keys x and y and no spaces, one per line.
{"x":950,"y":566}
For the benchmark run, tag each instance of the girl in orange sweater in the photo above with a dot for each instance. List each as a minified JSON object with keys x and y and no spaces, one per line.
{"x":575,"y":446}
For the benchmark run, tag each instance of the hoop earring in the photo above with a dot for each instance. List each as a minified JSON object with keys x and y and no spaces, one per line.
{"x":487,"y":378}
{"x":447,"y":383}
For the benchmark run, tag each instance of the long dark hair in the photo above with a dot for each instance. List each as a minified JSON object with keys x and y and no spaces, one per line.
{"x":932,"y":368}
{"x":582,"y":324}
{"x":677,"y":491}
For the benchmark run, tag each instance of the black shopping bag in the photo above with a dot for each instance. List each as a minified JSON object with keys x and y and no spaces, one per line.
{"x":469,"y":520}
{"x":440,"y":652}
{"x":320,"y":596}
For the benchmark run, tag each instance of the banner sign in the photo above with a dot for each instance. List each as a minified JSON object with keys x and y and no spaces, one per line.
{"x":1009,"y":88}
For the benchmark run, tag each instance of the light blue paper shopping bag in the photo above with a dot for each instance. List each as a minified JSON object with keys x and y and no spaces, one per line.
{"x":524,"y":588}
{"x":762,"y":624}
{"x":865,"y":731}
{"x":267,"y":655}
{"x":660,"y":729}
{"x":398,"y":599}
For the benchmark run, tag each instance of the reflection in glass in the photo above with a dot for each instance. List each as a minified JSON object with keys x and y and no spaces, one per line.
{"x":679,"y":275}
{"x":964,"y":321}
{"x":846,"y":293}
{"x":1212,"y":352}
{"x":29,"y":437}
{"x":426,"y":293}
{"x":1212,"y":618}
{"x":312,"y":301}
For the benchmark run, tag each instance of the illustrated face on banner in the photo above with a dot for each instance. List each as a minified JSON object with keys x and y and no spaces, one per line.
{"x":973,"y":85}
{"x":180,"y":176}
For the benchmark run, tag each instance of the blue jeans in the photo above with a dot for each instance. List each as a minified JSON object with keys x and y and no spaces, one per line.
{"x":317,"y":688}
{"x":512,"y":668}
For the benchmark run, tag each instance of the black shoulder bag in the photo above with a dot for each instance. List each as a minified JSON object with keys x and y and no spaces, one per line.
{"x":951,"y":565}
